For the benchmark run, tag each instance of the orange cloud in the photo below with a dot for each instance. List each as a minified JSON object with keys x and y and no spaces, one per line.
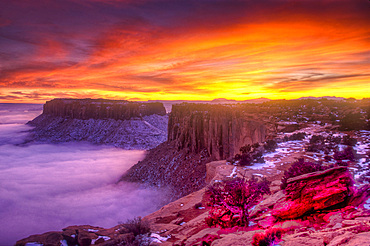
{"x":289,"y":50}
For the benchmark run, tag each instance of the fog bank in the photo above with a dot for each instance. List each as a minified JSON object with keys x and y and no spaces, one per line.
{"x":45,"y":187}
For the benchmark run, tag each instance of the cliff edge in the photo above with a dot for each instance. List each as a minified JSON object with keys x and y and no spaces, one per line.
{"x":197,"y":134}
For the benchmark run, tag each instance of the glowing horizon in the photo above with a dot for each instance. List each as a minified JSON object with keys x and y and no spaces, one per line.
{"x":184,"y":50}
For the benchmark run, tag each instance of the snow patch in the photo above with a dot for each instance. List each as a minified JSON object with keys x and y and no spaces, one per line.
{"x":233,"y":173}
{"x":104,"y":237}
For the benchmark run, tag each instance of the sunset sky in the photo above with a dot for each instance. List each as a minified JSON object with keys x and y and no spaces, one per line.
{"x":183,"y":49}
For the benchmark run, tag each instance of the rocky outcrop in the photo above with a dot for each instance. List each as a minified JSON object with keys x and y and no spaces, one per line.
{"x":314,"y":191}
{"x":129,"y":125}
{"x":220,"y":129}
{"x":197,"y":134}
{"x":101,"y":109}
{"x":166,"y":166}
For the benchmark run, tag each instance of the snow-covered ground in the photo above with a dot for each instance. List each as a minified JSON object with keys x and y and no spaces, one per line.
{"x":284,"y":149}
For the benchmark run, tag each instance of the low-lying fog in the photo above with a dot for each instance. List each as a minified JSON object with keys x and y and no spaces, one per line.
{"x":46,"y":187}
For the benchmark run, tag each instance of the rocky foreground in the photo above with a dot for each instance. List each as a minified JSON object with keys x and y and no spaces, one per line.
{"x":339,"y":215}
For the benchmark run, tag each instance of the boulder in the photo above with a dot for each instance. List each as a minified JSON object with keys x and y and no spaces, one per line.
{"x":314,"y":191}
{"x":236,"y":239}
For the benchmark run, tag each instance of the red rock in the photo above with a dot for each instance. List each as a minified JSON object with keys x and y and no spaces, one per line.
{"x":266,"y":222}
{"x":236,"y":239}
{"x":101,"y":109}
{"x":314,"y":191}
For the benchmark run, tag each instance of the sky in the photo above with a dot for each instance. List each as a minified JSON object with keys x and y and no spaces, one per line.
{"x":183,"y":49}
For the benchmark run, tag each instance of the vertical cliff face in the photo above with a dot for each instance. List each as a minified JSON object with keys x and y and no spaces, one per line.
{"x":197,"y":134}
{"x":101,"y":109}
{"x":221,"y":130}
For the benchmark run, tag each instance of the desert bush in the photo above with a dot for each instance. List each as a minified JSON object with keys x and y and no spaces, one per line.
{"x":335,"y":140}
{"x":297,"y":136}
{"x":270,"y":145}
{"x":249,"y":154}
{"x":315,"y":147}
{"x":347,"y":140}
{"x":231,"y":199}
{"x":298,"y":168}
{"x":136,"y":226}
{"x":347,"y":154}
{"x":245,"y":159}
{"x":317,"y":139}
{"x":255,"y":145}
{"x":246,"y":148}
{"x":270,"y":237}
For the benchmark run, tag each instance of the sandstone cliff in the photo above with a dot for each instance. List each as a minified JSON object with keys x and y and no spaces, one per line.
{"x":220,"y":129}
{"x":130,"y":125}
{"x":101,"y":109}
{"x":197,"y":134}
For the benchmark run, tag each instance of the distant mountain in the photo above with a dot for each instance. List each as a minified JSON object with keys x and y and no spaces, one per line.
{"x":258,"y":100}
{"x":325,"y":97}
{"x":223,"y":100}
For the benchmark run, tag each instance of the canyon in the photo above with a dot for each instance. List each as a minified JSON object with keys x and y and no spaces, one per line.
{"x":327,"y":207}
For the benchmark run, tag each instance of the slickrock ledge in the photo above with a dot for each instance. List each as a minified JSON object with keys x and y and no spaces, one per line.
{"x":314,"y":191}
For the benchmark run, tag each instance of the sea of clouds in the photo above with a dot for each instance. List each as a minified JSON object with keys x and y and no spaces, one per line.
{"x":45,"y":187}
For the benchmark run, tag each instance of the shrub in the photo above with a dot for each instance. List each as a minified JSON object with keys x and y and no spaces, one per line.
{"x":231,"y":199}
{"x":298,"y":168}
{"x":347,"y":154}
{"x":315,"y":147}
{"x":135,"y":226}
{"x":245,"y":159}
{"x":245,"y":149}
{"x":249,"y":154}
{"x":335,"y":140}
{"x":270,"y":145}
{"x":347,"y":140}
{"x":297,"y":136}
{"x":269,"y":238}
{"x":315,"y":139}
{"x":255,"y":145}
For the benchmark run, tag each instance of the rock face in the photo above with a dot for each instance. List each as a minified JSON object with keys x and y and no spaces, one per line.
{"x":314,"y":191}
{"x":129,"y":125}
{"x":197,"y":134}
{"x":219,"y":129}
{"x":101,"y":109}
